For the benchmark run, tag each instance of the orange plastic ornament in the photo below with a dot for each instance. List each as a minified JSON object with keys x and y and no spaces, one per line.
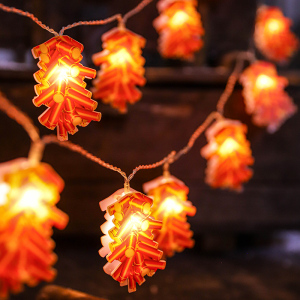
{"x":62,"y":88}
{"x":128,"y":243}
{"x":229,"y":155}
{"x":272,"y":34}
{"x":28,"y":195}
{"x":180,"y":29}
{"x":170,"y":206}
{"x":265,"y":97}
{"x":121,"y":68}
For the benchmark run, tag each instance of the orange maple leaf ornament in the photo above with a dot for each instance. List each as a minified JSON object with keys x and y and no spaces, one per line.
{"x":228,"y":155}
{"x":265,"y":97}
{"x":273,"y":36}
{"x":128,"y":243}
{"x":122,"y":68}
{"x":28,"y":195}
{"x":62,"y":88}
{"x":180,"y":29}
{"x":170,"y":206}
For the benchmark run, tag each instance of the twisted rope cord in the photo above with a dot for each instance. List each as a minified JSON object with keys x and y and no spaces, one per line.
{"x":98,"y":22}
{"x":29,"y":15}
{"x":50,"y":139}
{"x":242,"y":56}
{"x":152,"y":166}
{"x":210,"y":118}
{"x":21,"y":118}
{"x":136,"y":10}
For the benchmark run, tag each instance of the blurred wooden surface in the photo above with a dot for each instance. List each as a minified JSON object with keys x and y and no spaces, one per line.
{"x":54,"y":292}
{"x":260,"y":274}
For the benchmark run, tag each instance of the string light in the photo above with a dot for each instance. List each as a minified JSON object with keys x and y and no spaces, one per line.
{"x":121,"y":68}
{"x":229,"y":155}
{"x":273,"y":36}
{"x":180,"y":29}
{"x":128,"y":243}
{"x":62,"y":88}
{"x":29,"y":194}
{"x":129,"y":231}
{"x":170,"y":206}
{"x":265,"y":97}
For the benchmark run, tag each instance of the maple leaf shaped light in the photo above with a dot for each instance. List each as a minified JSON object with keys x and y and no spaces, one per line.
{"x":128,"y":243}
{"x":28,"y":213}
{"x":273,"y":36}
{"x":265,"y":97}
{"x":170,"y":206}
{"x":180,"y":29}
{"x":122,"y":68}
{"x":62,"y":88}
{"x":228,"y":155}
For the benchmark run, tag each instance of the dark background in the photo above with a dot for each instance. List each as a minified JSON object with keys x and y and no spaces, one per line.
{"x":243,"y":240}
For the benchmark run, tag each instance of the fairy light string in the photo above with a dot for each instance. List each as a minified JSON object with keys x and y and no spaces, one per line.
{"x":38,"y":143}
{"x":29,"y":15}
{"x":48,"y":139}
{"x":21,"y":118}
{"x":117,"y":17}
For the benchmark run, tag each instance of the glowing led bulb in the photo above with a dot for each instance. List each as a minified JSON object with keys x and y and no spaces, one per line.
{"x":229,"y":155}
{"x":229,"y":146}
{"x":264,"y":81}
{"x":171,"y":205}
{"x":274,"y":26}
{"x":135,"y":220}
{"x":4,"y":188}
{"x":30,"y":199}
{"x":121,"y":57}
{"x":62,"y":74}
{"x":179,"y":18}
{"x":273,"y":36}
{"x":265,"y":97}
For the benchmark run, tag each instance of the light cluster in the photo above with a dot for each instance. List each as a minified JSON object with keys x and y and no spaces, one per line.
{"x":229,"y":155}
{"x":28,"y":195}
{"x":170,"y":206}
{"x":273,"y":36}
{"x":179,"y":27}
{"x":122,"y":68}
{"x":265,"y":97}
{"x":128,"y":243}
{"x":62,"y":88}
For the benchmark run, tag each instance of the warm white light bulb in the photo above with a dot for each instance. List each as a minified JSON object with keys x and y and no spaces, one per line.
{"x":4,"y":188}
{"x":62,"y":74}
{"x":171,"y":205}
{"x":179,"y":18}
{"x":274,"y":25}
{"x":264,"y":81}
{"x":229,"y":146}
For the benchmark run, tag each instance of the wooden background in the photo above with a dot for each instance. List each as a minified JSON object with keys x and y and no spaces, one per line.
{"x":176,"y":99}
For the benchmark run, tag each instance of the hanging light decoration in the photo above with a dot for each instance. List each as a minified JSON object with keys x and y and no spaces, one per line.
{"x":272,"y":34}
{"x":128,"y":243}
{"x":229,"y":155}
{"x":28,"y":213}
{"x":61,"y":86}
{"x":121,"y":70}
{"x":265,"y":97}
{"x":180,"y":29}
{"x":170,"y":206}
